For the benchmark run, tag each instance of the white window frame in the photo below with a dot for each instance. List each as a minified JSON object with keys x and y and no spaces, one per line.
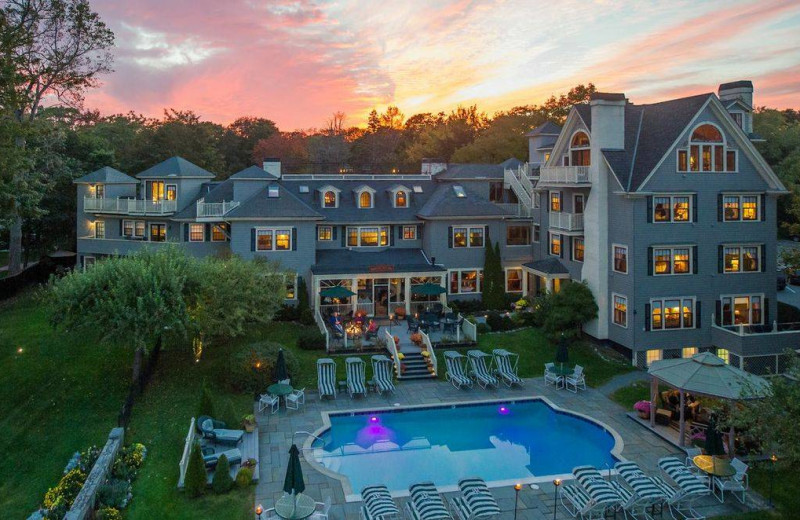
{"x":99,"y":187}
{"x":172,"y":187}
{"x":688,"y":151}
{"x":740,"y":197}
{"x":222,"y":229}
{"x":733,"y":305}
{"x":335,"y":199}
{"x":671,"y":197}
{"x":681,"y":300}
{"x":371,"y":199}
{"x":133,"y":228}
{"x":521,"y":279}
{"x":98,"y":225}
{"x":88,"y":261}
{"x":394,"y":198}
{"x":550,"y":244}
{"x":478,"y":279}
{"x":273,"y":231}
{"x":572,"y":247}
{"x":291,"y":278}
{"x":672,"y":260}
{"x":468,"y":230}
{"x":724,"y":354}
{"x":359,"y":230}
{"x":627,"y":259}
{"x":653,"y":354}
{"x":536,"y":234}
{"x":614,"y":297}
{"x":575,"y":197}
{"x":550,"y":201}
{"x":403,"y":232}
{"x":741,"y":247}
{"x":202,"y":232}
{"x":330,"y":233}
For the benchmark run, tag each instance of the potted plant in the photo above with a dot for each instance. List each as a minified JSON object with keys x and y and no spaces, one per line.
{"x":643,"y":408}
{"x":249,"y":423}
{"x":416,"y":338}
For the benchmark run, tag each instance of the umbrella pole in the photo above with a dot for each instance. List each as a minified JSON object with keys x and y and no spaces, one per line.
{"x":682,"y":431}
{"x":731,"y":443}
{"x":653,"y":397}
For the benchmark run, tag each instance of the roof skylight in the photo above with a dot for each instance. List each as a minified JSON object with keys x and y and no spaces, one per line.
{"x":459,"y":190}
{"x":417,"y":188}
{"x":273,"y":192}
{"x":303,"y":189}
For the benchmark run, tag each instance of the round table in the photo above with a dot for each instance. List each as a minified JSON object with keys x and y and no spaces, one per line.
{"x":280,"y":389}
{"x":562,"y":370}
{"x":714,"y":466}
{"x":285,"y":507}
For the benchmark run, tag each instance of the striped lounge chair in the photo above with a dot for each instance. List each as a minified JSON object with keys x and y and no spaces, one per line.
{"x":599,"y":489}
{"x":478,"y":369}
{"x":355,"y":376}
{"x":382,"y":373}
{"x":506,"y":369}
{"x":425,"y":503}
{"x":378,"y":504}
{"x":647,"y":491}
{"x":326,"y":377}
{"x":455,"y":369}
{"x":691,"y":487}
{"x":579,"y":503}
{"x":476,"y":501}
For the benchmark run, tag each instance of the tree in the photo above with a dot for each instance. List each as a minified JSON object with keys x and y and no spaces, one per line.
{"x":206,"y":406}
{"x":196,"y":480}
{"x":63,"y":46}
{"x":502,"y":139}
{"x":239,"y":139}
{"x":222,"y":481}
{"x":567,"y":310}
{"x":290,"y":147}
{"x":492,"y":288}
{"x":781,"y":149}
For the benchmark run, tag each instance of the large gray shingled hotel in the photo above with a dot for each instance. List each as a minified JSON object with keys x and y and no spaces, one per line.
{"x":665,"y":210}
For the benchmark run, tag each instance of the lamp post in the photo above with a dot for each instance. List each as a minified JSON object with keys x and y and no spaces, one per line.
{"x":517,"y":487}
{"x":556,"y":483}
{"x":259,"y":510}
{"x":773,"y":459}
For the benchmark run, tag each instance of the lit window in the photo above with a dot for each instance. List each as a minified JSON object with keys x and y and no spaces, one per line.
{"x":127,"y":228}
{"x":652,"y":355}
{"x":365,"y":200}
{"x":518,"y":235}
{"x":476,"y":237}
{"x":368,"y":236}
{"x":100,"y":191}
{"x":706,"y":152}
{"x":676,"y":208}
{"x":400,"y":199}
{"x":291,"y":287}
{"x":675,"y":260}
{"x":409,"y":232}
{"x":620,"y":310}
{"x":218,"y":233}
{"x":555,"y":201}
{"x":283,"y":239}
{"x":329,"y":199}
{"x":577,"y":249}
{"x":742,"y":259}
{"x":465,"y":281}
{"x":196,"y":232}
{"x":555,"y":244}
{"x":139,"y":229}
{"x":264,"y":239}
{"x":99,"y":229}
{"x":158,"y":232}
{"x":724,"y":354}
{"x":580,"y":152}
{"x":513,"y":280}
{"x":741,"y":208}
{"x":741,"y":310}
{"x":325,"y":233}
{"x":688,"y":352}
{"x":621,"y":259}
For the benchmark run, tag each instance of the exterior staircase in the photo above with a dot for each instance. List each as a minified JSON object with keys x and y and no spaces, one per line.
{"x":522,"y":186}
{"x":416,"y":367}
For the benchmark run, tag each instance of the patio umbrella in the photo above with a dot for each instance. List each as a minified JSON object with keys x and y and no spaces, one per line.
{"x":428,"y":289}
{"x":562,"y":354}
{"x":336,"y":292}
{"x":293,"y":483}
{"x":714,"y":444}
{"x":280,"y":367}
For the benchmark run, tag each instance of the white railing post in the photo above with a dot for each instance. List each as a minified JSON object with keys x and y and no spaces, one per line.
{"x":393,"y":350}
{"x":323,"y":329}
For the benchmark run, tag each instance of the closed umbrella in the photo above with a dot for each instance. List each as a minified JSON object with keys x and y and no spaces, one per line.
{"x":336,"y":292}
{"x":280,"y":367}
{"x":293,"y":483}
{"x":428,"y":289}
{"x":562,"y":354}
{"x":714,"y":444}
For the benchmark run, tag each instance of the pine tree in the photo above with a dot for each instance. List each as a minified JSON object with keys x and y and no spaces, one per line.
{"x":196,"y":481}
{"x":222,"y":482}
{"x":229,"y":416}
{"x":493,"y":290}
{"x":486,"y":287}
{"x":206,"y":406}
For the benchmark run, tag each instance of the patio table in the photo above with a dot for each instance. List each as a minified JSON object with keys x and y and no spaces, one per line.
{"x":280,"y":390}
{"x":287,"y":509}
{"x":449,"y":324}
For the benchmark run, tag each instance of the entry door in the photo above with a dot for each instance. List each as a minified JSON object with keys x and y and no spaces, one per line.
{"x":381,"y":300}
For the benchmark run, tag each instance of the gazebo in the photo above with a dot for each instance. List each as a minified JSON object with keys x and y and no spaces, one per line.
{"x":708,"y":375}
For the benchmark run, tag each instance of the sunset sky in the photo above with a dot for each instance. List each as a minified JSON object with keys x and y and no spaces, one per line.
{"x":296,"y":62}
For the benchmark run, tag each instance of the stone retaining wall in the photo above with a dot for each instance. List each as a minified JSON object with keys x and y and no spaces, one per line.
{"x":84,"y":503}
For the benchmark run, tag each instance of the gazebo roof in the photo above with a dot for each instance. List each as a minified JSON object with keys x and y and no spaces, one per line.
{"x":707,"y":374}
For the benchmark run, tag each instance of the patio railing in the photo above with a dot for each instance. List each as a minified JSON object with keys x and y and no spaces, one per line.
{"x":369,"y":308}
{"x":393,"y":350}
{"x":187,"y":451}
{"x":323,"y":329}
{"x":469,"y":329}
{"x":427,"y":342}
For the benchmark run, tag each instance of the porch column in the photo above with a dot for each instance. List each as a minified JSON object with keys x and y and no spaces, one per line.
{"x":549,"y":284}
{"x":653,"y":396}
{"x":315,"y":288}
{"x":408,"y":295}
{"x":354,"y":288}
{"x":682,"y":430}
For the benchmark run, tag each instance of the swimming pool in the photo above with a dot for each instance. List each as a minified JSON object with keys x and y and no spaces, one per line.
{"x":503,"y":442}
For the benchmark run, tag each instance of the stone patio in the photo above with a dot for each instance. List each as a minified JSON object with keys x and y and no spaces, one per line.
{"x":276,"y":432}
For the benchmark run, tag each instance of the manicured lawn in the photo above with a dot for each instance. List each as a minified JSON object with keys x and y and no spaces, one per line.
{"x":3,"y":258}
{"x":59,"y":395}
{"x":786,"y":494}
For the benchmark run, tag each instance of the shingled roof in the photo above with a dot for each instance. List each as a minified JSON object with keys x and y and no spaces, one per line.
{"x":285,"y":206}
{"x":106,"y":175}
{"x":209,"y":192}
{"x":344,"y":261}
{"x":252,"y":173}
{"x":445,"y":203}
{"x":477,"y":171}
{"x":175,"y":167}
{"x":548,"y":128}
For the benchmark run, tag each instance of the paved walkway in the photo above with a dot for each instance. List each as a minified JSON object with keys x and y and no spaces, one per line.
{"x":622,"y":381}
{"x":276,"y":433}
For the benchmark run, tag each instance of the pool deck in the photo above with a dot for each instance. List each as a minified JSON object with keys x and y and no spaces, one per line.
{"x":640,"y":445}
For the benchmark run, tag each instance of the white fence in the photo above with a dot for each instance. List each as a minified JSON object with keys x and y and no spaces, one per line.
{"x":469,"y":329}
{"x":130,"y":206}
{"x":566,"y":221}
{"x":214,"y":209}
{"x":323,"y":329}
{"x":390,"y":344}
{"x":427,"y":342}
{"x":564,"y":175}
{"x":187,"y":452}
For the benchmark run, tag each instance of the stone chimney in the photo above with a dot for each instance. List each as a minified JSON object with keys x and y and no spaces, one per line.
{"x":273,"y":167}
{"x":741,"y":112}
{"x":433,"y":166}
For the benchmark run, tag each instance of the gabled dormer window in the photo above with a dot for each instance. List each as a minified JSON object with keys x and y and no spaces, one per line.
{"x":707,"y":152}
{"x":579,"y":150}
{"x":329,"y":197}
{"x":364,"y":197}
{"x":400,"y":199}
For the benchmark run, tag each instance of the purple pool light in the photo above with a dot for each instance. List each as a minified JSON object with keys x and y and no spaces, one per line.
{"x":504,"y":410}
{"x":373,"y":419}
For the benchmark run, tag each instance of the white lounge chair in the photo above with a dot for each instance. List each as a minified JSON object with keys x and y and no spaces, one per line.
{"x":576,"y":380}
{"x":356,"y":383}
{"x":505,"y":367}
{"x":478,"y":369}
{"x":550,"y":377}
{"x":326,"y":377}
{"x":295,"y":399}
{"x":455,"y":369}
{"x":691,"y":487}
{"x":647,"y":491}
{"x":738,"y":483}
{"x":382,"y":368}
{"x":426,"y":503}
{"x":598,"y":488}
{"x":577,"y":502}
{"x":269,"y":401}
{"x":321,"y":509}
{"x":378,"y":504}
{"x":476,"y":501}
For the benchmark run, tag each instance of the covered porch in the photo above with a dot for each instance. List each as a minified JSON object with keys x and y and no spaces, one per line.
{"x":545,"y":276}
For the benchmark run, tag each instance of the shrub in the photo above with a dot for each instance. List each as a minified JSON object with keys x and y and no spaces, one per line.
{"x":251,"y":368}
{"x":65,"y":492}
{"x":196,"y":478}
{"x":311,"y":339}
{"x":526,"y":318}
{"x":495,"y":321}
{"x":483,"y":328}
{"x":228,"y":415}
{"x":222,"y":482}
{"x":206,"y":406}
{"x":133,"y":454}
{"x":287,"y":313}
{"x":107,"y":513}
{"x":307,"y":317}
{"x":245,"y":477}
{"x":115,"y":493}
{"x":466,"y":306}
{"x":87,"y":459}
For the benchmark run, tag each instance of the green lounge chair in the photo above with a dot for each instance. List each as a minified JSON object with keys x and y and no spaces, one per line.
{"x":355,"y":376}
{"x":478,"y":369}
{"x":326,"y":377}
{"x":215,"y":431}
{"x":210,"y":458}
{"x":382,"y":373}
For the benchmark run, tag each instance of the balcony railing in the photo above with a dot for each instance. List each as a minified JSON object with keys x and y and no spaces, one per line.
{"x":214,"y":209}
{"x":566,"y":221}
{"x":126,"y":206}
{"x":564,"y":175}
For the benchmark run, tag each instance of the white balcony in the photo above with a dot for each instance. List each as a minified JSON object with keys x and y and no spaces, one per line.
{"x":126,"y":206}
{"x":563,"y":175}
{"x":566,"y":221}
{"x":214,"y":210}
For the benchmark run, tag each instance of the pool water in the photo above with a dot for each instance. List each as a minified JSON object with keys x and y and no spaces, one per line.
{"x":510,"y":441}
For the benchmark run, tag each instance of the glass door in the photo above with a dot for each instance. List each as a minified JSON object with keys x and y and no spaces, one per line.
{"x":381,"y":299}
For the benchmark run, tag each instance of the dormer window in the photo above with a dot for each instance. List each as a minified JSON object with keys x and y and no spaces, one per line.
{"x":365,"y":200}
{"x":579,"y":151}
{"x":707,"y":152}
{"x":329,"y":199}
{"x":400,"y":199}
